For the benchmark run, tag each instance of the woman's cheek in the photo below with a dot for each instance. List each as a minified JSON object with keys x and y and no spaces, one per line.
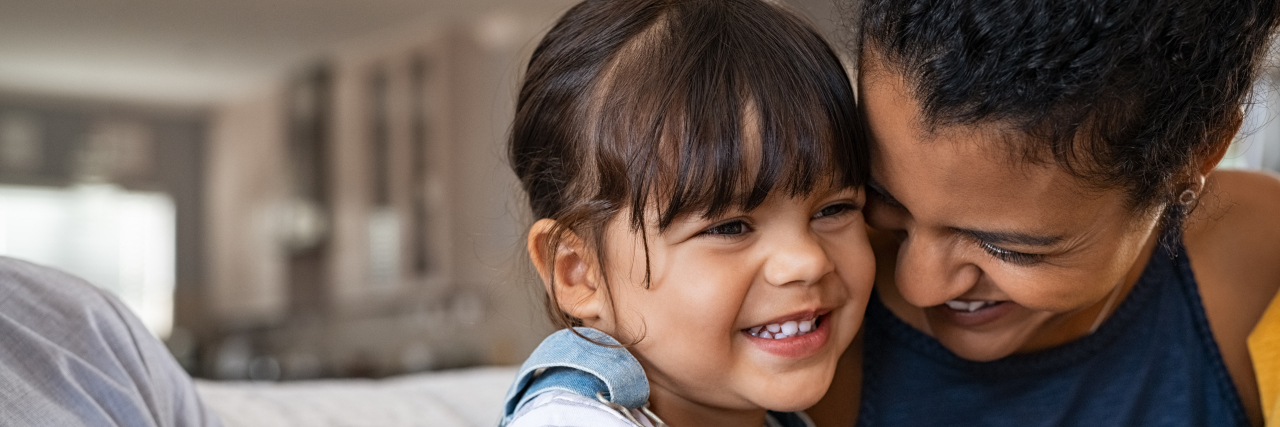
{"x":1041,"y":291}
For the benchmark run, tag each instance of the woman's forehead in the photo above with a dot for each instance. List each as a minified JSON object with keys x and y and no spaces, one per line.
{"x":969,"y":175}
{"x":954,"y":186}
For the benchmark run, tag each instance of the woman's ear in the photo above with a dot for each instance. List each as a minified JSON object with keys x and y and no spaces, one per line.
{"x":568,"y":271}
{"x":1215,"y":154}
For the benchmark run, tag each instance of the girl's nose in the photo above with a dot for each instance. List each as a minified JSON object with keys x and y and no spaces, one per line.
{"x":800,"y":259}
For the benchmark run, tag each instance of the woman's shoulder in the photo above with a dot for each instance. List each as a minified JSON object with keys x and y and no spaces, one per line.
{"x":563,"y":408}
{"x":1233,"y":242}
{"x":1233,"y":237}
{"x":1236,"y":197}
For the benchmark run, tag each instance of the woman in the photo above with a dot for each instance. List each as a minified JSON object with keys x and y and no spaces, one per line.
{"x":1054,"y":247}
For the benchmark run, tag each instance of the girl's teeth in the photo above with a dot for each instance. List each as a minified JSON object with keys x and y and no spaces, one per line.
{"x":782,"y":330}
{"x":790,"y":328}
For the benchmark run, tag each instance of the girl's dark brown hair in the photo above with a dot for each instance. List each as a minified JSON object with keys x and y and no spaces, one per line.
{"x":678,"y":107}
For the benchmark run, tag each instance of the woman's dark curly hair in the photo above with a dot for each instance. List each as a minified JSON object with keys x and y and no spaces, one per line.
{"x":1127,"y":94}
{"x":676,"y":107}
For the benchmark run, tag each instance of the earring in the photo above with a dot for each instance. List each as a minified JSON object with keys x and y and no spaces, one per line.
{"x":1192,"y":192}
{"x":1187,"y":197}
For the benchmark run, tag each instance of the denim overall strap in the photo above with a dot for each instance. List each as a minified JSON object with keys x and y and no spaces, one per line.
{"x":566,"y":361}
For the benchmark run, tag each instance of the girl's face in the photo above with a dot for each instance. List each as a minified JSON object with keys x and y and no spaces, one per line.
{"x":989,"y":255}
{"x":802,"y":267}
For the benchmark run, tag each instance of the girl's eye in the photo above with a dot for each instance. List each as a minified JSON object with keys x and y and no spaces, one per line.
{"x":1017,"y":258}
{"x":732,"y":228}
{"x":836,"y":209}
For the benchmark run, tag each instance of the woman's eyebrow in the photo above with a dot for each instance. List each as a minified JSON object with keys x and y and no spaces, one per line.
{"x":884,"y":194}
{"x":1010,"y":237}
{"x":994,"y":237}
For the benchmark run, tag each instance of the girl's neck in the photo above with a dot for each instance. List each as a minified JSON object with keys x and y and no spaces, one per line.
{"x":676,"y":410}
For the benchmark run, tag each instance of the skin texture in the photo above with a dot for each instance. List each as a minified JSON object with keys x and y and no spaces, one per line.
{"x":711,"y":278}
{"x":935,"y":189}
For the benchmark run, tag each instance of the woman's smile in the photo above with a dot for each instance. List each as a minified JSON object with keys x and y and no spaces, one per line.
{"x":972,"y":314}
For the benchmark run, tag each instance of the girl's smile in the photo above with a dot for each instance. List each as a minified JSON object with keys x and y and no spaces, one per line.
{"x":791,"y":338}
{"x":741,"y":311}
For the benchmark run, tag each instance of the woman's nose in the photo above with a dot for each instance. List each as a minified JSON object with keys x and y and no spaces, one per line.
{"x":799,"y":259}
{"x":929,"y":273}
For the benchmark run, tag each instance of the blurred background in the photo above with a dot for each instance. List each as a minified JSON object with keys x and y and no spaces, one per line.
{"x":298,"y":189}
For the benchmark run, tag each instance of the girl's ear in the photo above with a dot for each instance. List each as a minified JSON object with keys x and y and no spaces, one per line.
{"x":571,"y":269}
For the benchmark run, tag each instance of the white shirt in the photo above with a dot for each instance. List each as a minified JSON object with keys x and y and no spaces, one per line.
{"x":567,"y":409}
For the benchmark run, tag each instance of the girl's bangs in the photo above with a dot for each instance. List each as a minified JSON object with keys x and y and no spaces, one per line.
{"x":707,"y":124}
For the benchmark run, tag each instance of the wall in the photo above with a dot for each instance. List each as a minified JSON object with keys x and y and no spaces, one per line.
{"x":410,"y":146}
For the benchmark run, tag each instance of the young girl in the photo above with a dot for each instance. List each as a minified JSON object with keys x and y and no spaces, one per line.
{"x":695,"y":168}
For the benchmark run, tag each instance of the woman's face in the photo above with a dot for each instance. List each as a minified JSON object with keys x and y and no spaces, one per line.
{"x":990,"y":254}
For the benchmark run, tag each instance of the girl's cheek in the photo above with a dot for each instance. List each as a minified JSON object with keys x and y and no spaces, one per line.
{"x":855,"y":263}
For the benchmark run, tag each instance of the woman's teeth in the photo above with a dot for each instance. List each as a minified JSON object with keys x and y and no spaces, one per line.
{"x":782,"y":330}
{"x":969,"y":306}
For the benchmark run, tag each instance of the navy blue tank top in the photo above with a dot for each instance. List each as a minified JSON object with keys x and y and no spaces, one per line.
{"x":1152,"y":363}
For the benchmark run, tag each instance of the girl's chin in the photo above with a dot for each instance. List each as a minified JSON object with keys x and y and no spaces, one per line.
{"x":794,"y":396}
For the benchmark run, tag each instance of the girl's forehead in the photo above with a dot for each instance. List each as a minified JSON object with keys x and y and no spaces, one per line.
{"x":708,"y":173}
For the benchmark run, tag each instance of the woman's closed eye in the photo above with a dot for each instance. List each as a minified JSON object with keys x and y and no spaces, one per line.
{"x":1012,"y":257}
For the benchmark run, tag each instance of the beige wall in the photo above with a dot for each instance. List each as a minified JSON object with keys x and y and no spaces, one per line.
{"x":475,"y":306}
{"x":245,"y":269}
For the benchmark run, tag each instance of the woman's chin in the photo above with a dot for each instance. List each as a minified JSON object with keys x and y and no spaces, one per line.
{"x":977,"y":347}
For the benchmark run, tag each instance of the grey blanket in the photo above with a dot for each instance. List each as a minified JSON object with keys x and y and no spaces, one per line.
{"x":73,"y":355}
